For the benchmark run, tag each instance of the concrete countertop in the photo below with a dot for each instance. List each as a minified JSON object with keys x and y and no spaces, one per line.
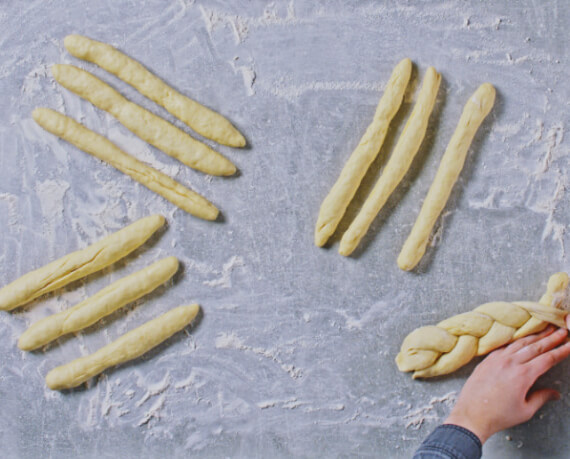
{"x":294,"y":352}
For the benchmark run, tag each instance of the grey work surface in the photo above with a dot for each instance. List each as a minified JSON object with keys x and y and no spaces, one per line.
{"x":294,"y":352}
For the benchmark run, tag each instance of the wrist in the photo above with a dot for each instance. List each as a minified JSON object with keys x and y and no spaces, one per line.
{"x":482,"y":432}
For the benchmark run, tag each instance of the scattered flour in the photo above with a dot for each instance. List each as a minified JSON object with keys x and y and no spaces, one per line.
{"x":369,"y":316}
{"x":418,"y":416}
{"x":11,"y":202}
{"x":248,"y":74}
{"x":225,"y":275}
{"x":241,"y":25}
{"x":51,"y":194}
{"x":232,"y":341}
{"x":291,"y":92}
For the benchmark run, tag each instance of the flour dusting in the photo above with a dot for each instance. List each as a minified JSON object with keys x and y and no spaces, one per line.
{"x":417,"y":416}
{"x":225,"y":275}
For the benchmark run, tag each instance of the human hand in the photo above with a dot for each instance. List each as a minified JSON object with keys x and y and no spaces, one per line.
{"x":496,"y":396}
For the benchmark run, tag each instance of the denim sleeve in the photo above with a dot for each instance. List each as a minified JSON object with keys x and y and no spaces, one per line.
{"x":449,"y":441}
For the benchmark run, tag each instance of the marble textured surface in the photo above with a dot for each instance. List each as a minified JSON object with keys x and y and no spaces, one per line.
{"x":293,"y":354}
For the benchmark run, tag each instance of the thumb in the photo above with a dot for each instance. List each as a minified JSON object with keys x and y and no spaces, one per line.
{"x":539,"y":398}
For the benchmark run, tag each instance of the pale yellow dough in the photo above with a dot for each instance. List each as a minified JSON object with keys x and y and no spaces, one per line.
{"x":148,"y":126}
{"x":93,"y":309}
{"x":335,"y":204}
{"x":474,"y":112}
{"x":79,"y":264}
{"x":102,"y":148}
{"x":203,"y":120}
{"x":128,"y":347}
{"x":398,"y":164}
{"x":437,"y":350}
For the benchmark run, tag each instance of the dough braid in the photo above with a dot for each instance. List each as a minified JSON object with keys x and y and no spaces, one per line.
{"x":443,"y":348}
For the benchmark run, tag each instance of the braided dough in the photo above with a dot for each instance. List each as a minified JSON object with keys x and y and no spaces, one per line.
{"x":443,"y":348}
{"x":93,"y":309}
{"x":149,"y":127}
{"x":477,"y":108}
{"x":79,"y":264}
{"x":100,"y":147}
{"x":128,"y":347}
{"x":398,"y":164}
{"x":342,"y":192}
{"x":203,"y":120}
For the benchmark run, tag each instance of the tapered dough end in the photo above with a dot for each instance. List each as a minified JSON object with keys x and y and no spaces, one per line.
{"x":321,"y":236}
{"x":46,"y":119}
{"x":234,"y":139}
{"x":56,"y":70}
{"x":404,"y":67}
{"x":56,"y":380}
{"x":155,"y":221}
{"x":558,"y":282}
{"x":214,"y":164}
{"x":344,"y":250}
{"x":209,"y":213}
{"x":484,"y":98}
{"x":347,"y":245}
{"x":77,"y":45}
{"x":411,"y":254}
{"x":50,"y":120}
{"x":406,"y":264}
{"x":227,"y":169}
{"x":190,"y":311}
{"x":65,"y":74}
{"x":26,"y":342}
{"x":38,"y":113}
{"x":170,"y":265}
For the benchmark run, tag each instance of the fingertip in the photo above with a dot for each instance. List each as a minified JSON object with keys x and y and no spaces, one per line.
{"x":541,"y":334}
{"x":558,"y":335}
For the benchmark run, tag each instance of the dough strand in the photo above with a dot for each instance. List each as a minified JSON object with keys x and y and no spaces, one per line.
{"x":128,"y":347}
{"x":146,"y":125}
{"x":102,"y":148}
{"x":203,"y":120}
{"x":398,"y":164}
{"x":93,"y":309}
{"x":438,"y":350}
{"x":335,"y":204}
{"x":477,"y":108}
{"x":79,"y":264}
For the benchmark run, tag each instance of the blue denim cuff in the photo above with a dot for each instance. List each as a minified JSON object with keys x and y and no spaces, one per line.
{"x":449,"y":441}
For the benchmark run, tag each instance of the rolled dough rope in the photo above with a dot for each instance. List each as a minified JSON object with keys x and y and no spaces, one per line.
{"x":148,"y":126}
{"x":441,"y":349}
{"x":102,"y":148}
{"x":398,"y":164}
{"x":128,"y":347}
{"x":79,"y":264}
{"x":335,"y":204}
{"x":477,"y":108}
{"x":203,"y":120}
{"x":93,"y":309}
